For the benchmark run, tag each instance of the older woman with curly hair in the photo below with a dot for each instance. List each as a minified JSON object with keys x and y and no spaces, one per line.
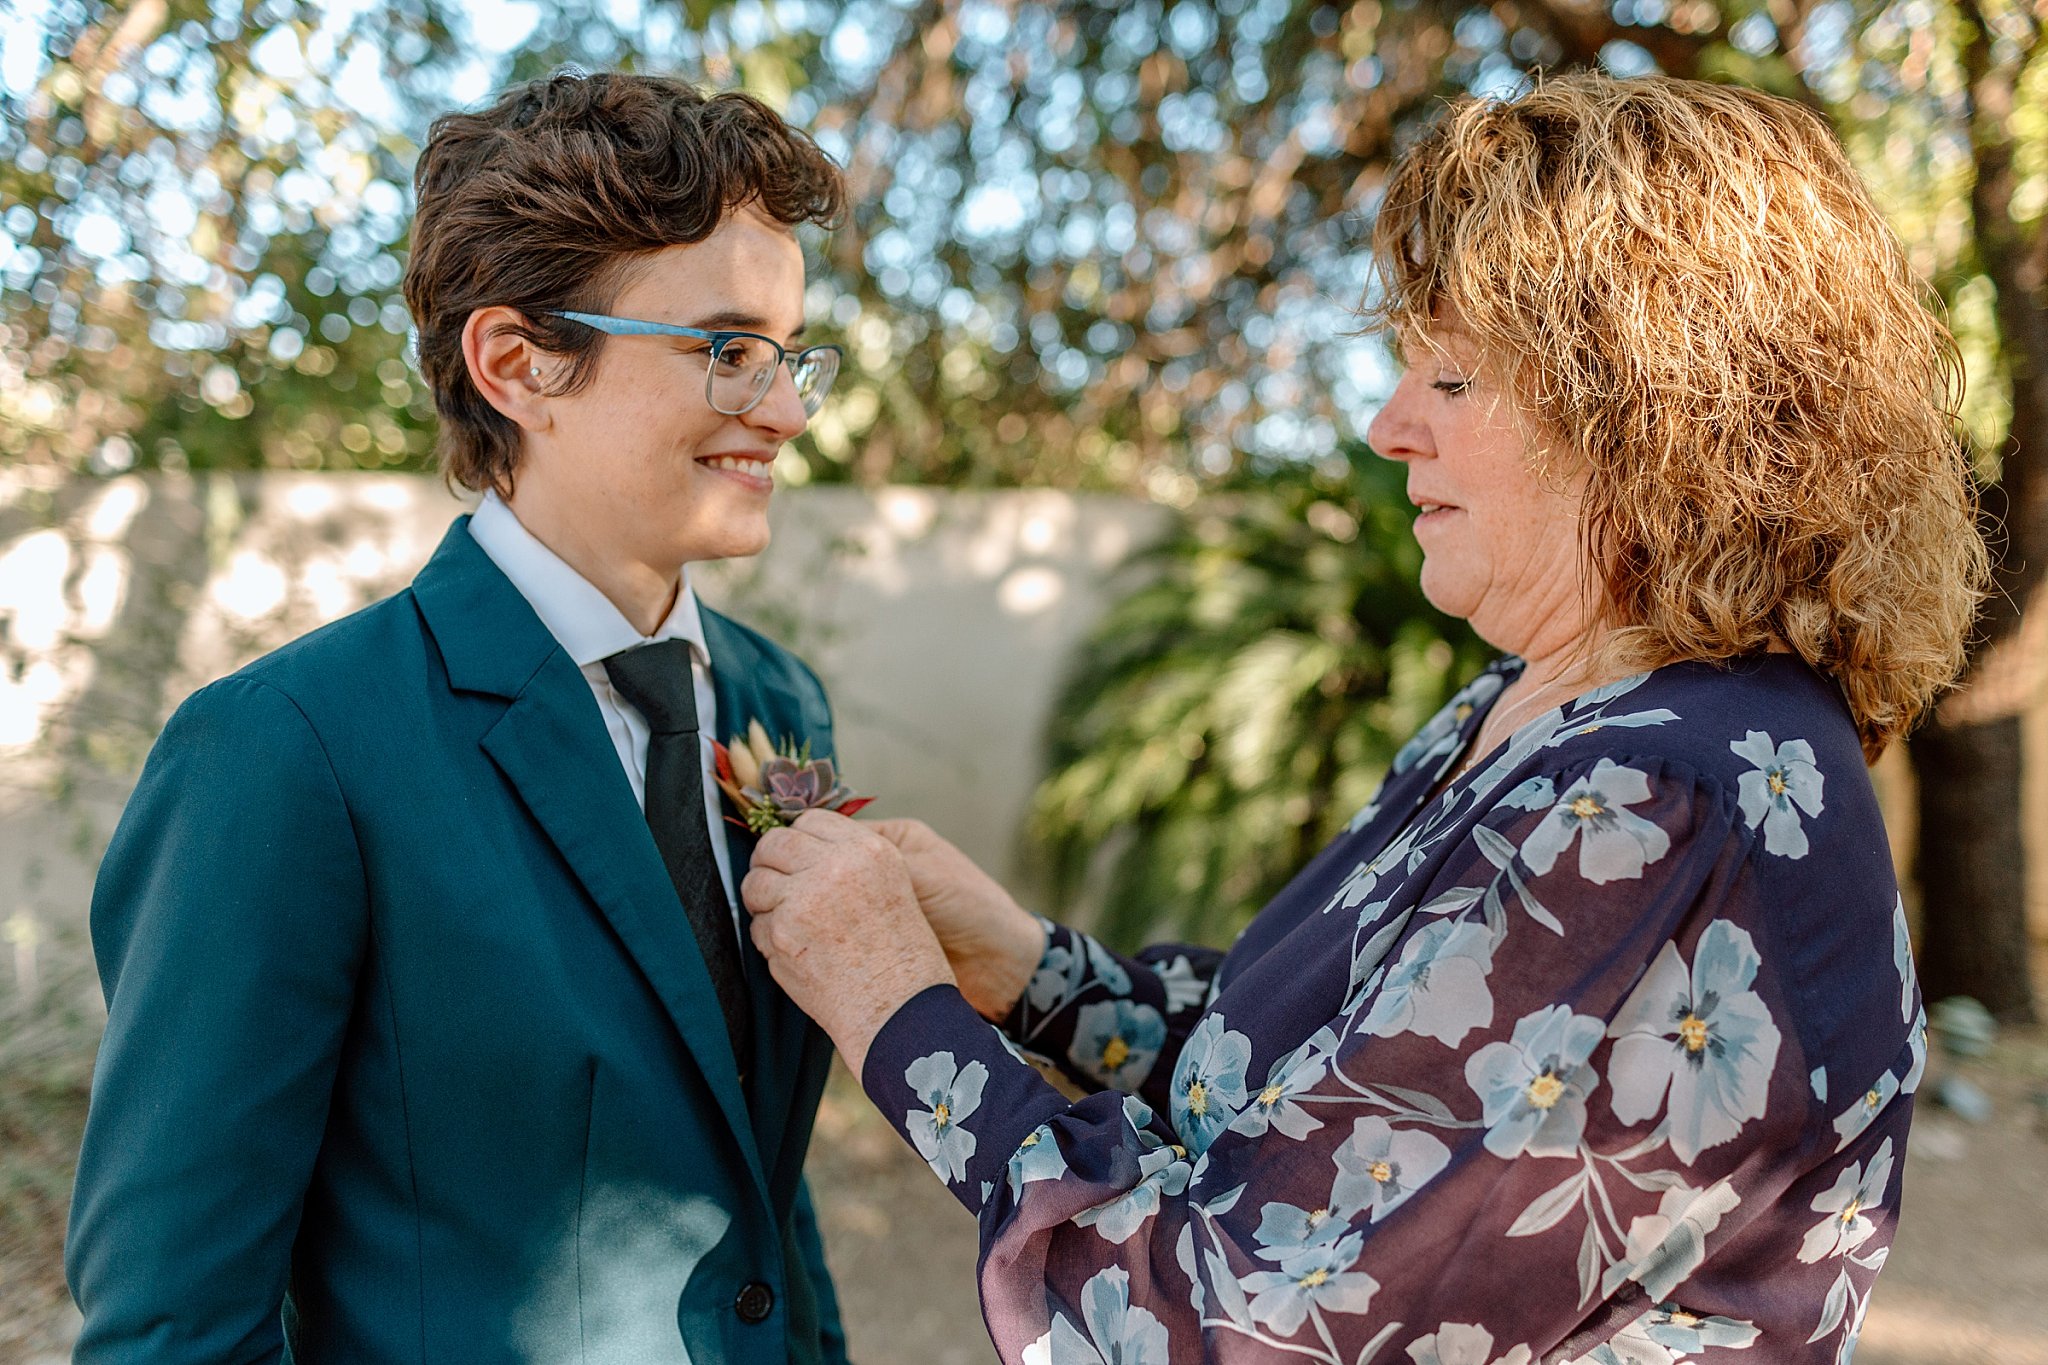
{"x":1593,"y":1037}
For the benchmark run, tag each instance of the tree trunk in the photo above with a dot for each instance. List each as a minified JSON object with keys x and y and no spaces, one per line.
{"x":1970,"y":861}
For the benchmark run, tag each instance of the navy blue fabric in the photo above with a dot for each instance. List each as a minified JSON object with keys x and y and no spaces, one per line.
{"x":411,"y":1054}
{"x":1602,"y":1051}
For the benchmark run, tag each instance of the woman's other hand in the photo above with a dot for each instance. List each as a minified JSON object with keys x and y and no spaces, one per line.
{"x":993,"y":943}
{"x":837,"y":918}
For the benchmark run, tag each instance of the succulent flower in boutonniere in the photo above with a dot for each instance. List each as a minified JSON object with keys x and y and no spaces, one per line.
{"x":770,"y":787}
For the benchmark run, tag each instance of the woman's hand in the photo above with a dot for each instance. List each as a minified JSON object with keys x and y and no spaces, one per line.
{"x":837,"y":918}
{"x":993,"y":943}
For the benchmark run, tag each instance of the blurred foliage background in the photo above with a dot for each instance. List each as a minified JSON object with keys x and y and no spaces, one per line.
{"x":1240,"y":704}
{"x":1134,"y":229}
{"x":1097,"y":244}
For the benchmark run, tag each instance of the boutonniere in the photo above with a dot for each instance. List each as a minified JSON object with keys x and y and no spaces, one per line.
{"x":771,"y":786}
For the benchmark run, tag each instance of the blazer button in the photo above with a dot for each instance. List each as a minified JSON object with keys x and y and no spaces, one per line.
{"x":755,"y":1303}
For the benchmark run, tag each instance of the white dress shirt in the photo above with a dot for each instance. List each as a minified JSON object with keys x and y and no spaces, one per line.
{"x":590,"y":629}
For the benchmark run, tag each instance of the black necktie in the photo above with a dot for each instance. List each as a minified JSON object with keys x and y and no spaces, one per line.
{"x":656,"y":679}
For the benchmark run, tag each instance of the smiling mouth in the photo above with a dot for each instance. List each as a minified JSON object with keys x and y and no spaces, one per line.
{"x":738,"y":464}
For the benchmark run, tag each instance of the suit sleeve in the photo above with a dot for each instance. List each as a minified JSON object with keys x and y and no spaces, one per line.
{"x":831,"y":1335}
{"x":229,"y":921}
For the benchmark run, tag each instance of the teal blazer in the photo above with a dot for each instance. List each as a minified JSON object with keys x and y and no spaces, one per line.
{"x":410,"y":1051}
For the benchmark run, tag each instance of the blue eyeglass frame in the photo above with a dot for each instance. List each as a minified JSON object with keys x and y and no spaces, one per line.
{"x":624,"y":327}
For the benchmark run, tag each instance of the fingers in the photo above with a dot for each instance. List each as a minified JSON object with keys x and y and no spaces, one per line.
{"x":797,"y":846}
{"x":789,"y":849}
{"x":830,"y":827}
{"x":768,"y":937}
{"x":763,"y":890}
{"x":903,"y":832}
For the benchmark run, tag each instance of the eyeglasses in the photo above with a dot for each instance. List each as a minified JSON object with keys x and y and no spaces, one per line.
{"x":743,"y":364}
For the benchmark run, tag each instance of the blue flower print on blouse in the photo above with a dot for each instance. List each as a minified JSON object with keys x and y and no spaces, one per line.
{"x":1655,"y":1337}
{"x":1185,"y":988}
{"x":1544,"y":1062}
{"x":1107,"y":969}
{"x":1037,"y":1158}
{"x":1675,"y":1329}
{"x":1441,"y":735}
{"x":1285,"y":1229}
{"x":950,"y":1093}
{"x":1116,"y":1042}
{"x":1118,"y":1334}
{"x":1848,"y":1224}
{"x":1161,"y":1171}
{"x":1864,"y":1109}
{"x":1392,"y":861}
{"x":1208,"y":1085}
{"x":1627,"y":1347}
{"x":1438,"y":987}
{"x":1312,"y":1281}
{"x":1065,"y":971}
{"x":1666,"y":1246}
{"x":1704,"y":1036}
{"x":1532,"y":1089}
{"x":1298,"y":1073}
{"x":1059,"y":975}
{"x":1784,"y":783}
{"x":1463,"y":1343}
{"x":1617,"y":844}
{"x":1380,"y":1167}
{"x":1902,"y":958}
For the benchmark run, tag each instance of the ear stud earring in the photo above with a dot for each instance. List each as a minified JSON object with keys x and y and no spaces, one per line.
{"x":534,"y":371}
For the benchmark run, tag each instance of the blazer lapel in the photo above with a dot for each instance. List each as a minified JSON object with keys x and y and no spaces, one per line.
{"x":552,"y":747}
{"x":791,"y":1052}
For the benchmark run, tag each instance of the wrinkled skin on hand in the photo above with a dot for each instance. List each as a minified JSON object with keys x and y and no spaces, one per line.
{"x":993,"y":943}
{"x":836,"y":916}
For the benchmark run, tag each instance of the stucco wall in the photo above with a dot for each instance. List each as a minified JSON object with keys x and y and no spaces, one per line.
{"x":939,"y":621}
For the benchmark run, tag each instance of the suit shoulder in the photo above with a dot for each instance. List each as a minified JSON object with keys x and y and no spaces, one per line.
{"x":341,"y":659}
{"x":759,"y":651}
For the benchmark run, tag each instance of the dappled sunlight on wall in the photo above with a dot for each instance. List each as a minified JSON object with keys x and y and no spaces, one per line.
{"x":60,"y":589}
{"x":940,"y":621}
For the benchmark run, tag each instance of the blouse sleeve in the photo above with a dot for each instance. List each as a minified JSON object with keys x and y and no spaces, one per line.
{"x":1110,"y":1022}
{"x":1600,"y":1089}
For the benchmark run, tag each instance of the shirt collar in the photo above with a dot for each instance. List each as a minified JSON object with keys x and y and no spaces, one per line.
{"x":582,"y":619}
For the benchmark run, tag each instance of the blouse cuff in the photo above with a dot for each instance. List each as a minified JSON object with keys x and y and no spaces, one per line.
{"x":1057,"y":936}
{"x":955,"y":1090}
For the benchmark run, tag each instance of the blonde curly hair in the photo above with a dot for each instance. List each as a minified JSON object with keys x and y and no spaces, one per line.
{"x":1689,"y":290}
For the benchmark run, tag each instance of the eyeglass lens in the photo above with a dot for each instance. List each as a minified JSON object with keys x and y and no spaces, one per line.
{"x":743,"y":368}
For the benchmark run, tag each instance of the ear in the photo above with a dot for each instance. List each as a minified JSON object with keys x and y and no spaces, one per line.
{"x":510,"y":372}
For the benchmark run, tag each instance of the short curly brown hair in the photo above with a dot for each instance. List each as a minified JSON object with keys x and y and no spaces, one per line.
{"x":547,"y":199}
{"x":1689,"y":290}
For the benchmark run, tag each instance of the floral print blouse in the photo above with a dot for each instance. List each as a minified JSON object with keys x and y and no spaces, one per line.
{"x":1603,"y":1053}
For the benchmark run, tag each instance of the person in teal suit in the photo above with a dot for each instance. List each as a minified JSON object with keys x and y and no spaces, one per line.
{"x":431,"y":1035}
